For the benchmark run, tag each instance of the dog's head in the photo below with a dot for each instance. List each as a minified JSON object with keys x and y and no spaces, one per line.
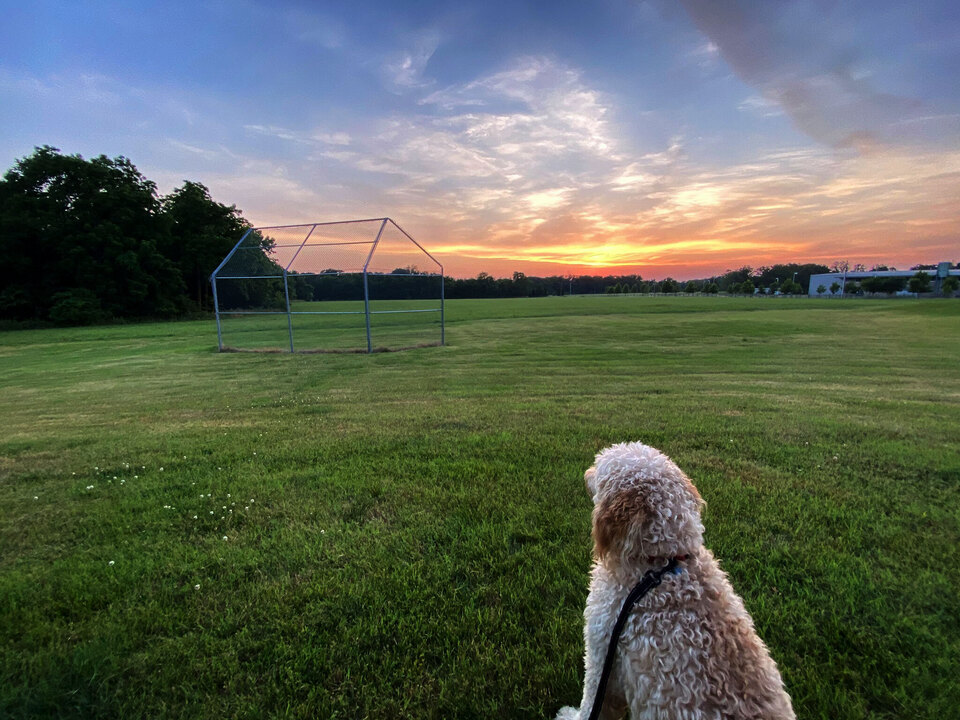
{"x":643,"y":506}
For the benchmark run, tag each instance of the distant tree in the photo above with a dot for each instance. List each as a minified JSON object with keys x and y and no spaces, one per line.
{"x":693,"y":286}
{"x":888,"y":285}
{"x":950,"y":285}
{"x":712,"y":288}
{"x":919,"y":283}
{"x":821,"y":289}
{"x":669,"y":286}
{"x":840,"y":266}
{"x":835,"y":287}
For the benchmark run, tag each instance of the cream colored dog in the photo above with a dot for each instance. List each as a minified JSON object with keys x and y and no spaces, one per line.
{"x":689,"y":649}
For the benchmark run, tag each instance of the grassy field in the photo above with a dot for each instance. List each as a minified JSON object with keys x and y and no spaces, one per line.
{"x":192,"y":534}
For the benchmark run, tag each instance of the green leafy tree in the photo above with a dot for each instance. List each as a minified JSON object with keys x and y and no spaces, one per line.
{"x":712,"y":288}
{"x":919,"y":283}
{"x":202,"y":232}
{"x":835,"y":287}
{"x":821,"y":289}
{"x":950,"y":285}
{"x":83,"y":236}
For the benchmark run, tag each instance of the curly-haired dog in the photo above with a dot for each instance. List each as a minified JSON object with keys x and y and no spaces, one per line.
{"x":689,"y":649}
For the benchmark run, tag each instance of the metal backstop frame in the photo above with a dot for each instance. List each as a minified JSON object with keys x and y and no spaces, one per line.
{"x":289,"y":259}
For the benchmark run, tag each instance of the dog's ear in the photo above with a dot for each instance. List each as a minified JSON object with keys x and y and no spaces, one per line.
{"x":615,"y":517}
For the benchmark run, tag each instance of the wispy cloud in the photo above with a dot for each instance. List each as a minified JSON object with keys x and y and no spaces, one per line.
{"x":795,"y":58}
{"x":404,"y":70}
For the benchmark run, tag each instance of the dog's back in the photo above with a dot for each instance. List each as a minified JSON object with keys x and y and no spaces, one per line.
{"x":689,"y":649}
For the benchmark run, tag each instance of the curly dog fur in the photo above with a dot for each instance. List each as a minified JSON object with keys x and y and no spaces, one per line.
{"x":689,"y":649}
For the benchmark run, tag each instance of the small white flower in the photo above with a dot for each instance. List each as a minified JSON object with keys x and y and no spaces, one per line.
{"x":835,"y":457}
{"x":135,"y":477}
{"x":161,"y":469}
{"x":254,"y":453}
{"x":224,"y":537}
{"x":251,"y":499}
{"x":228,"y":494}
{"x":96,"y":467}
{"x":89,"y":487}
{"x":114,"y":477}
{"x":110,"y":563}
{"x":35,"y":497}
{"x":184,"y":457}
{"x":224,"y":507}
{"x":196,"y":587}
{"x":211,"y":512}
{"x":194,"y":517}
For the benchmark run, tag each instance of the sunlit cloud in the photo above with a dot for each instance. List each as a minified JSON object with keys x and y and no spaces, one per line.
{"x":720,"y":134}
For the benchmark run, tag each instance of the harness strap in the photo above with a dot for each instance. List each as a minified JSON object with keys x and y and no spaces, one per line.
{"x":648,"y":582}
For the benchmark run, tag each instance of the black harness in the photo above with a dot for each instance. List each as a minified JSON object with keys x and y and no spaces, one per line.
{"x":648,"y":582}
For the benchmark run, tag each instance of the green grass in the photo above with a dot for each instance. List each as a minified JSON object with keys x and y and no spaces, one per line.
{"x":411,"y":536}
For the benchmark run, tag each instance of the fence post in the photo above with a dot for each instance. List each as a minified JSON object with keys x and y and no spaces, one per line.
{"x":216,"y":310}
{"x":443,"y":340}
{"x":366,"y":309}
{"x":286,"y":293}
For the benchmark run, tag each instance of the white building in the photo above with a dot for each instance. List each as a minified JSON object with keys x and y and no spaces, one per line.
{"x":827,"y":279}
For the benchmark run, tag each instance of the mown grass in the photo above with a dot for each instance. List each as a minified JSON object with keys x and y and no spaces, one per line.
{"x":410,"y":536}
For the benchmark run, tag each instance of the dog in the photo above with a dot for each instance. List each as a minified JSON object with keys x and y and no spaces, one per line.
{"x":689,"y":650}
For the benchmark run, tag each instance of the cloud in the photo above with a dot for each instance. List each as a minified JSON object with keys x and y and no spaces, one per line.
{"x":404,"y":70}
{"x":797,"y":57}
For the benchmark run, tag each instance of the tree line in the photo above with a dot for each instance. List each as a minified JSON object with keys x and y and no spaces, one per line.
{"x":86,"y":241}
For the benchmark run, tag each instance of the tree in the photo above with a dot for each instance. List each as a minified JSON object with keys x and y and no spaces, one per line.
{"x":202,"y":232}
{"x":950,"y":285}
{"x":79,"y":241}
{"x":790,"y":287}
{"x":919,"y":283}
{"x":835,"y":287}
{"x":821,"y":289}
{"x":712,"y":288}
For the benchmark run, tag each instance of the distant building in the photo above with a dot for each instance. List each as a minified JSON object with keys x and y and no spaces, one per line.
{"x":828,"y":279}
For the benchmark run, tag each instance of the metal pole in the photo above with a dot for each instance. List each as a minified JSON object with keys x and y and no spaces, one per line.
{"x":216,"y":310}
{"x":366,"y":310}
{"x":442,"y":326}
{"x":286,"y":292}
{"x":366,"y":288}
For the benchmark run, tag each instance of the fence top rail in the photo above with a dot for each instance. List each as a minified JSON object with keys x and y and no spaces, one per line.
{"x":319,"y":224}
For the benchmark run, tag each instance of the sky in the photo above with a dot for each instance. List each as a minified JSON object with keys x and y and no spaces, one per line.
{"x":665,"y":138}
